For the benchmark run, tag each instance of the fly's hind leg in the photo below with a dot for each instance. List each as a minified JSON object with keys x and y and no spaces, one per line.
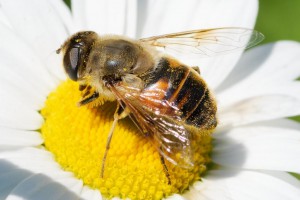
{"x":162,"y":160}
{"x":120,"y":113}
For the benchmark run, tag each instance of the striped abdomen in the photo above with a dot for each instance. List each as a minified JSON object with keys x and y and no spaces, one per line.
{"x":184,"y":89}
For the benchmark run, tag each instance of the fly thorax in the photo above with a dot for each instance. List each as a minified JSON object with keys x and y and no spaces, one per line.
{"x":114,"y":57}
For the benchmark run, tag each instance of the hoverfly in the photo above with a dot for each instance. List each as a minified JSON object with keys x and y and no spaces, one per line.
{"x":166,"y":99}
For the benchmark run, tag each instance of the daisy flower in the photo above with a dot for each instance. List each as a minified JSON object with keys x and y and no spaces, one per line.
{"x":52,"y":149}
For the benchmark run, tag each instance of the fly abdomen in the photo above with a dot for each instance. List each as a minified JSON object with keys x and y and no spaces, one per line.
{"x":186,"y":90}
{"x":194,"y":100}
{"x":204,"y":115}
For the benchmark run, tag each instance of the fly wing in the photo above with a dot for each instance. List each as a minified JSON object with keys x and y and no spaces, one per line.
{"x":168,"y":133}
{"x":206,"y":42}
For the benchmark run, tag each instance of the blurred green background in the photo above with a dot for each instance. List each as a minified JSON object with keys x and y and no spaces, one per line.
{"x":279,"y":20}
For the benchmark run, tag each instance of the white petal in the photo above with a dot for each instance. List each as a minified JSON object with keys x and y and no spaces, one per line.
{"x":237,"y":185}
{"x":11,"y":137}
{"x":90,"y":194}
{"x":157,"y":17}
{"x":32,"y":159}
{"x":285,"y":177}
{"x":113,"y":17}
{"x":19,"y":58}
{"x":160,"y":17}
{"x":259,"y":147}
{"x":4,"y":20}
{"x":15,"y":115}
{"x":38,"y":23}
{"x":65,"y":15}
{"x":274,"y":63}
{"x":11,"y":89}
{"x":10,"y":176}
{"x":176,"y":197}
{"x":39,"y":161}
{"x":208,"y":190}
{"x":79,"y":14}
{"x":280,"y":123}
{"x":16,"y":86}
{"x":39,"y":186}
{"x":73,"y":184}
{"x":132,"y":18}
{"x":243,"y":92}
{"x":267,"y":69}
{"x":258,"y":108}
{"x":15,"y":181}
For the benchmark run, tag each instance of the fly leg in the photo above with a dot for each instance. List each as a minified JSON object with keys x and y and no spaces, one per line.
{"x":120,"y":113}
{"x":89,"y":99}
{"x":162,"y":160}
{"x":88,"y":94}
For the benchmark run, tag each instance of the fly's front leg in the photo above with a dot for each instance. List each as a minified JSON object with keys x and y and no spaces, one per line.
{"x":89,"y":99}
{"x":88,"y":94}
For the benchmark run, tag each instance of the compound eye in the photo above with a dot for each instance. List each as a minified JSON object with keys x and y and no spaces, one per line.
{"x":71,"y":63}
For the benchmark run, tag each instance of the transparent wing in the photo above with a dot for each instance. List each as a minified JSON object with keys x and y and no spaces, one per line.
{"x":206,"y":42}
{"x":167,"y":132}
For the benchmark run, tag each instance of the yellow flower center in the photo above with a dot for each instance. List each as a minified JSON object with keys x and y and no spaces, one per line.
{"x":77,"y":137}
